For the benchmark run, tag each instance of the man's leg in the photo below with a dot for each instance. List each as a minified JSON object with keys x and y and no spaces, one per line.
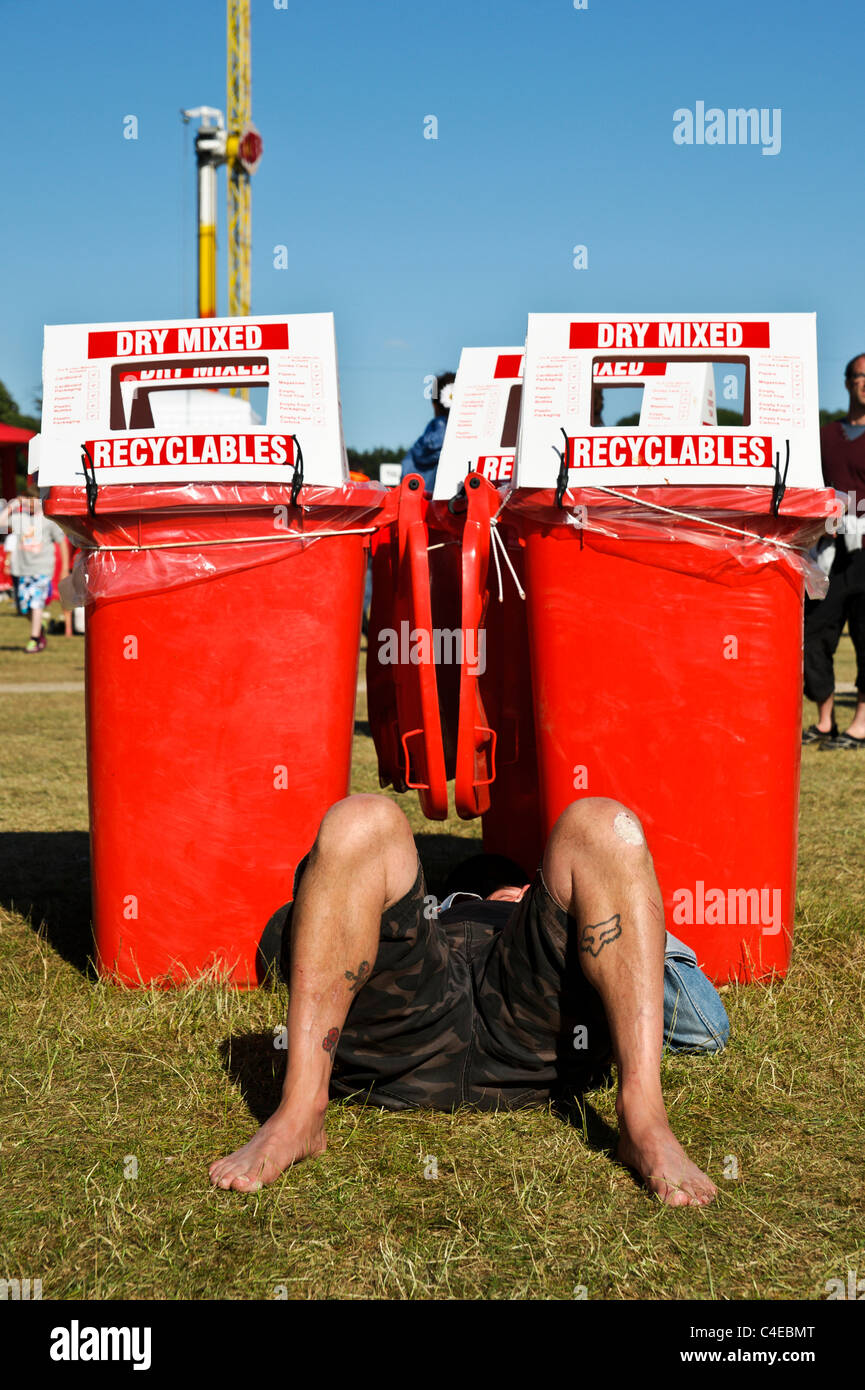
{"x":363,"y":861}
{"x":597,"y":866}
{"x":855,"y":609}
{"x":824,"y":621}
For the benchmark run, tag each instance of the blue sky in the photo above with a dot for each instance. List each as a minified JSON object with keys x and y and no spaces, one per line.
{"x":554,"y":129}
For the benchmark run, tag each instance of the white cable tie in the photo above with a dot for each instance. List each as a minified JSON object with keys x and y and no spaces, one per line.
{"x":235,"y":540}
{"x":494,"y":537}
{"x":494,"y":532}
{"x":704,"y":520}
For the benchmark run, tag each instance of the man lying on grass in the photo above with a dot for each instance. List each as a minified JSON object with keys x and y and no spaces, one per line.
{"x":514,"y":1000}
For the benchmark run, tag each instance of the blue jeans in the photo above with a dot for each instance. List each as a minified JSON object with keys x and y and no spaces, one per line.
{"x":695,"y":1020}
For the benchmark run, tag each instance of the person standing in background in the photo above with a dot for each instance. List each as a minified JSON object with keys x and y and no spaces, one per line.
{"x":842,"y":447}
{"x":7,"y":583}
{"x":33,"y":559}
{"x":423,"y":456}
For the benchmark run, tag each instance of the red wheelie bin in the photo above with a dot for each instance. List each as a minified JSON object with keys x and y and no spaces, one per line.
{"x":221,"y":677}
{"x":224,"y":584}
{"x":665,"y":569}
{"x":667,"y":673}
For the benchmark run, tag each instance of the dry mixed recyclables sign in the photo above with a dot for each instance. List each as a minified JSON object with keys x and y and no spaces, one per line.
{"x":481,"y":436}
{"x":678,"y":363}
{"x":170,"y":402}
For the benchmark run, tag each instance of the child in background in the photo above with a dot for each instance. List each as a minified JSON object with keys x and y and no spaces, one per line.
{"x":7,"y":585}
{"x":33,"y":559}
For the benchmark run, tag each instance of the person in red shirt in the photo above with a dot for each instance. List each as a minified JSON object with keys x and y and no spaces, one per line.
{"x":842,"y":446}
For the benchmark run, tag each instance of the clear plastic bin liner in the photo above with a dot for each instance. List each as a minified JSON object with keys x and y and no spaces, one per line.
{"x":734,"y":526}
{"x":146,"y":540}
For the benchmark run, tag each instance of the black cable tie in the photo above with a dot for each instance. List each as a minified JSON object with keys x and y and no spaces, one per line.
{"x":297,"y":480}
{"x":459,"y":496}
{"x":564,"y":469}
{"x":90,"y":482}
{"x":780,"y":485}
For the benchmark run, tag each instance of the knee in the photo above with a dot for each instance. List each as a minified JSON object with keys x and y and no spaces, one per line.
{"x":358,"y":825}
{"x":598,"y":824}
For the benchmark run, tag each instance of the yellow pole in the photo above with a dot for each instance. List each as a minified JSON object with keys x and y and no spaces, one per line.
{"x":206,"y":237}
{"x":238,"y":113}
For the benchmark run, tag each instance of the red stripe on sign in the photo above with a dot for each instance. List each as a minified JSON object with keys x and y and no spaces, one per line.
{"x":670,"y":451}
{"x":156,"y":375}
{"x":676,"y":334}
{"x":496,"y":467}
{"x":194,"y":337}
{"x":187,"y":450}
{"x":621,"y":371}
{"x":508,"y":365}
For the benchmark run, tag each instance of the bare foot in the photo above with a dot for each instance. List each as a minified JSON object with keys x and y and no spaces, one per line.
{"x":652,"y":1149}
{"x":283,"y":1140}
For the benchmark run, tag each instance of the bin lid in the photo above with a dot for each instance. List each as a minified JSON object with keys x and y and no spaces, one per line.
{"x":483,"y":420}
{"x":764,"y":364}
{"x":151,"y":402}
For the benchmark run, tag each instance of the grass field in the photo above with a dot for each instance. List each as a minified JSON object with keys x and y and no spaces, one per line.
{"x":114,"y":1102}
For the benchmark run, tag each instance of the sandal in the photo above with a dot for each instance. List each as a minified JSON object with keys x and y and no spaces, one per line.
{"x":844,"y":741}
{"x":815,"y":735}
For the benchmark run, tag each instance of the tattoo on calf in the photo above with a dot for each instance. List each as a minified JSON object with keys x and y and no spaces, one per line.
{"x":362,"y":973}
{"x":330,"y":1040}
{"x":595,"y":936}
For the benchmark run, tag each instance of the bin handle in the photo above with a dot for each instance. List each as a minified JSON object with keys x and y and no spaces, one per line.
{"x":470,"y":732}
{"x":90,"y":482}
{"x":480,"y":731}
{"x":412,"y":786}
{"x":435,"y":803}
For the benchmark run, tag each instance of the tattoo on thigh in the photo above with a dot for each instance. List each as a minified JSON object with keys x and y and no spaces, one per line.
{"x":330,"y":1040}
{"x":595,"y":936}
{"x":362,"y":973}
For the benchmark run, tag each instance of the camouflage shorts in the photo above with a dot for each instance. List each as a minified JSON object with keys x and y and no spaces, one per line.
{"x":485,"y":1005}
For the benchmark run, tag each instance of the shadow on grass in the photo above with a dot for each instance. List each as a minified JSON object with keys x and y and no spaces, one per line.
{"x":594,"y":1131}
{"x":579,"y":1114}
{"x":256,"y":1068}
{"x":45,"y":876}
